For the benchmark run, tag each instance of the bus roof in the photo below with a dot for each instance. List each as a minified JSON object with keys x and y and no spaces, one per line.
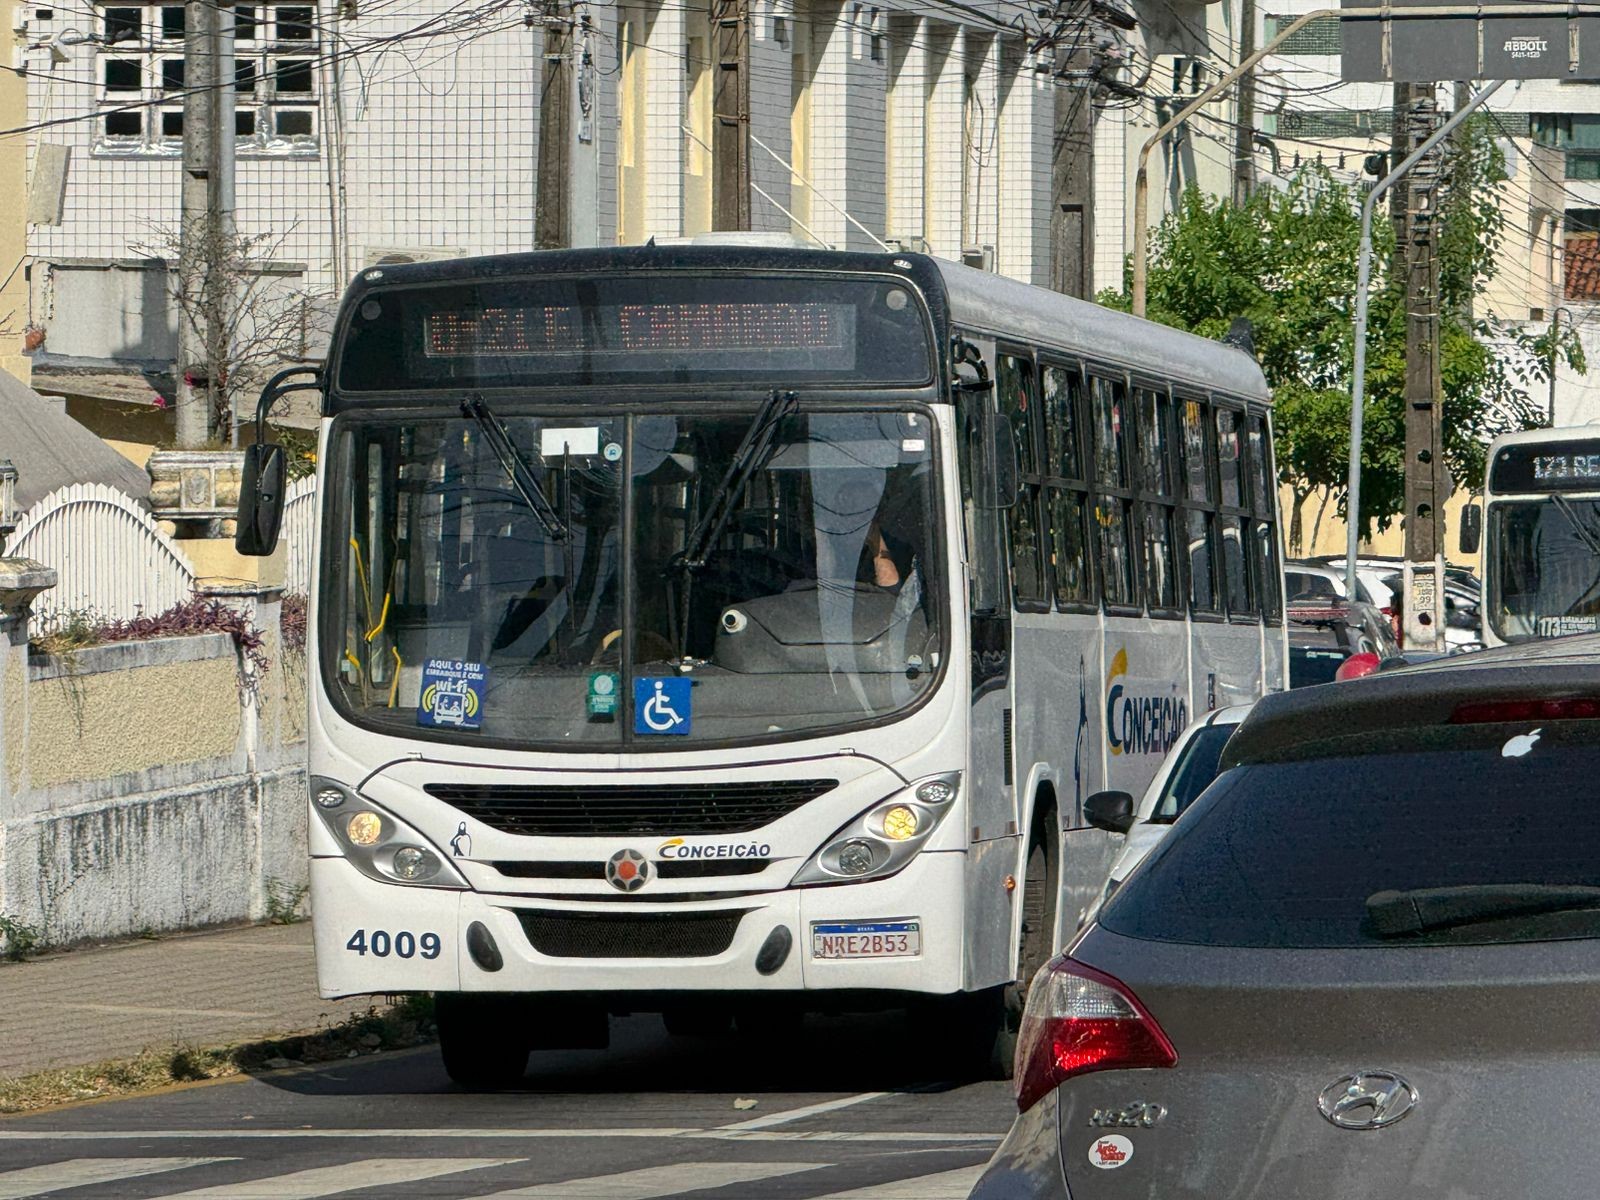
{"x":959,"y":296}
{"x":994,"y":304}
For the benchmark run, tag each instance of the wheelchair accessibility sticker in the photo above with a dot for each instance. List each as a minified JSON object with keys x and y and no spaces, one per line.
{"x":661,"y":705}
{"x":452,"y":693}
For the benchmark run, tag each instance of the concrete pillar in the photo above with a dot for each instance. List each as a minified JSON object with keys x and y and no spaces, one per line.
{"x":772,"y":44}
{"x":981,"y":228}
{"x":847,"y":130}
{"x":1026,"y":113}
{"x":22,"y":580}
{"x":906,"y":135}
{"x":664,"y":111}
{"x":1113,"y":182}
{"x":946,"y":173}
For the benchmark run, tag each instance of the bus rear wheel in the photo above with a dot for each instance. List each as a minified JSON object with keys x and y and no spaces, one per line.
{"x":481,"y":1039}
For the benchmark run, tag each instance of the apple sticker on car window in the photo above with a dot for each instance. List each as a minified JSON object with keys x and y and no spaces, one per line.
{"x":1520,"y":745}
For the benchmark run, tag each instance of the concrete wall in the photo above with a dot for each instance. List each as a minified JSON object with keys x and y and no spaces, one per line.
{"x":149,"y":785}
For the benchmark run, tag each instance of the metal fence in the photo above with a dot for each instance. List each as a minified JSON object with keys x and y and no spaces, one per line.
{"x":109,"y":556}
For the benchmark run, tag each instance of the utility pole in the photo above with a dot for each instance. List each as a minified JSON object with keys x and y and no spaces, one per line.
{"x":552,"y":226}
{"x":205,"y":219}
{"x":730,"y":130}
{"x":1427,"y":480}
{"x":1244,"y":131}
{"x":1072,"y":171}
{"x":196,"y":414}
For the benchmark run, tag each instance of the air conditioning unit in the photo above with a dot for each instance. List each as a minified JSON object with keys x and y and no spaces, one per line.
{"x":387,"y":256}
{"x":981,"y":257}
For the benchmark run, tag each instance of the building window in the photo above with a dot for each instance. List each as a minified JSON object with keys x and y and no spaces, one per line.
{"x":1577,"y":135}
{"x":1321,"y":36}
{"x":142,"y":80}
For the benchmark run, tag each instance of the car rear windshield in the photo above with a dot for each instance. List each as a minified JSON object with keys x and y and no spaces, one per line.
{"x":1287,"y":854}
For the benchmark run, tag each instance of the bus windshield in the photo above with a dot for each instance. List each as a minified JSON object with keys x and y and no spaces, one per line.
{"x":1543,"y":567}
{"x":600,"y":578}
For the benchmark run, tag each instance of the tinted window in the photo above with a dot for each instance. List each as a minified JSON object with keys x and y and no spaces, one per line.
{"x":1019,"y":406}
{"x":1195,"y":773}
{"x":1311,"y":665}
{"x":1265,"y":860}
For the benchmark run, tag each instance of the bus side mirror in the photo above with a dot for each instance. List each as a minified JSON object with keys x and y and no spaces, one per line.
{"x":262,"y":483}
{"x":1111,"y":811}
{"x":1471,"y":528}
{"x":1004,"y":448}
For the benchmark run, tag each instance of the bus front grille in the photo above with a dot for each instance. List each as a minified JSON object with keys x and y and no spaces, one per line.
{"x":629,"y":935}
{"x":597,"y":810}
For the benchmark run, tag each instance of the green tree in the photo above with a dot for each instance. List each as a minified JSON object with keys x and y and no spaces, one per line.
{"x":1287,"y":261}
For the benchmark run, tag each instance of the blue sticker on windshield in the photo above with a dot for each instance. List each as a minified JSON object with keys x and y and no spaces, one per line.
{"x":661,"y":704}
{"x":452,"y":693}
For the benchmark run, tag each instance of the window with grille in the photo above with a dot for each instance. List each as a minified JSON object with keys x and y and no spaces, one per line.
{"x":141,"y":80}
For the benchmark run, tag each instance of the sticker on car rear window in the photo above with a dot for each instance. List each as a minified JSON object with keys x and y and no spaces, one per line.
{"x":1520,"y":745}
{"x":1109,"y":1153}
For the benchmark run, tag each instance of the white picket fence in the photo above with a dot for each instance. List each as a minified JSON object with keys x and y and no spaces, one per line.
{"x":299,"y":534}
{"x":108,"y":554}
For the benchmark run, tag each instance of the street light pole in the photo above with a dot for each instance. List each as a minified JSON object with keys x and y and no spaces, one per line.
{"x":1358,"y":379}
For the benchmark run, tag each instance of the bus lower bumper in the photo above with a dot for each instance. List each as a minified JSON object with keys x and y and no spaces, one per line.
{"x":897,"y":934}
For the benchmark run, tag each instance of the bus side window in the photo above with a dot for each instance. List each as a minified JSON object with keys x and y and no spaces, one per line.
{"x":1113,"y":501}
{"x":1018,"y":399}
{"x":1232,"y":518}
{"x":985,"y":536}
{"x":1198,"y":506}
{"x":1067,"y":488}
{"x":1264,"y":527}
{"x":1157,"y":497}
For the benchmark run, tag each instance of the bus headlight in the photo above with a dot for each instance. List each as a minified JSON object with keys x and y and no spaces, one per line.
{"x":379,"y":844}
{"x":886,"y":837}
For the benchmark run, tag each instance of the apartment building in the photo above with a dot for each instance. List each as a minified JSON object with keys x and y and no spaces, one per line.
{"x":368,"y":130}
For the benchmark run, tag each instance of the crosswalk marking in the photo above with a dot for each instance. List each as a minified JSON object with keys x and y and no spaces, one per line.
{"x":347,"y":1177}
{"x":800,"y":1114}
{"x":947,"y":1185}
{"x":653,"y":1182}
{"x":83,"y":1172}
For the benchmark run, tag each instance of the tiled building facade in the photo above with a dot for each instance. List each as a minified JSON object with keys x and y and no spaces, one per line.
{"x":370,"y":128}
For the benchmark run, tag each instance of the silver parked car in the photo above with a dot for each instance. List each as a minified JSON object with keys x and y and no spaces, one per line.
{"x":1365,"y":963}
{"x":1187,"y":770}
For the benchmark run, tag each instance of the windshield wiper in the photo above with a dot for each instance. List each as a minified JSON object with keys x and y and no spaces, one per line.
{"x":1586,"y":535}
{"x":747,"y":459}
{"x":1397,"y":914}
{"x":494,"y":432}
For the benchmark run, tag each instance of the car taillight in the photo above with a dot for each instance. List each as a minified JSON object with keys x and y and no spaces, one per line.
{"x":1497,"y":712}
{"x":1079,"y":1020}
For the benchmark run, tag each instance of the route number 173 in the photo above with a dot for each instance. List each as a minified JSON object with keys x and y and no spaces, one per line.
{"x":380,"y":943}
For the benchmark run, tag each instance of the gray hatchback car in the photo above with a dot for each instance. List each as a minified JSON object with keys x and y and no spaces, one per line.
{"x":1366,"y":962}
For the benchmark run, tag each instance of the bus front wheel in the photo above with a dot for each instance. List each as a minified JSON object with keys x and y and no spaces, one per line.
{"x":482,"y":1040}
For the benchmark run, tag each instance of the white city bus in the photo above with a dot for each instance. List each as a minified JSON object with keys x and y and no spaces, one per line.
{"x":1540,"y":529}
{"x":727,"y":630}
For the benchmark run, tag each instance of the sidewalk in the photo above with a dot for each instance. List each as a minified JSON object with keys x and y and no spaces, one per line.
{"x":199,"y":989}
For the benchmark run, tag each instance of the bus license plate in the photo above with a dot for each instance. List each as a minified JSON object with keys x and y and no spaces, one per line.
{"x":866,"y":939}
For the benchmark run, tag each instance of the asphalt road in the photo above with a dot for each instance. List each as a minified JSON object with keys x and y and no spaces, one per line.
{"x":844,"y":1108}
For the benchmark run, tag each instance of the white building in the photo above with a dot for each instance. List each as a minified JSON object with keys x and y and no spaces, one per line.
{"x":374,"y":128}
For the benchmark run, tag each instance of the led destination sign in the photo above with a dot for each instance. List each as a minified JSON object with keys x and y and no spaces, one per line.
{"x":1572,"y":466}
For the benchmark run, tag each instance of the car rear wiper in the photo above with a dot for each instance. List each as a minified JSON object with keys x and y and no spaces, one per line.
{"x":494,"y":432}
{"x":1397,"y":914}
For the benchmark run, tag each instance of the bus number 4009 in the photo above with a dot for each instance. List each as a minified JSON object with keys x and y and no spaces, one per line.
{"x":380,"y":943}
